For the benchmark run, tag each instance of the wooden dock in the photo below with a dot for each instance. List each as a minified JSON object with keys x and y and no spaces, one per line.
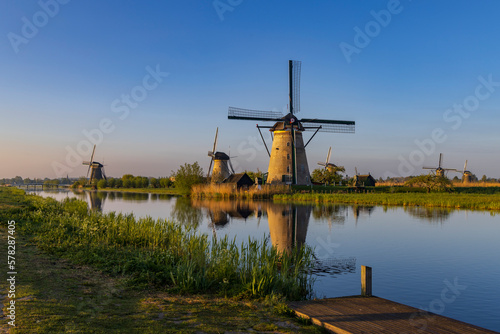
{"x":358,"y":314}
{"x":368,"y":314}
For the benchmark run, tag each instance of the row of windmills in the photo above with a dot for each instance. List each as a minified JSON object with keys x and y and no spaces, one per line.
{"x":288,"y":159}
{"x":440,"y":170}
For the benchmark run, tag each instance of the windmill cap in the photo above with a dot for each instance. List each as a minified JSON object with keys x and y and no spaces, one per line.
{"x":221,"y":156}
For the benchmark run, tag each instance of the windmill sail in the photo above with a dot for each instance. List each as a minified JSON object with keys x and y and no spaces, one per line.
{"x":255,"y":115}
{"x":212,"y":153}
{"x":294,"y":72}
{"x":327,"y":162}
{"x":327,"y":125}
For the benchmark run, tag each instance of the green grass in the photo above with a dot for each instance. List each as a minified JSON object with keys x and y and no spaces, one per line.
{"x":81,"y":272}
{"x":443,"y":200}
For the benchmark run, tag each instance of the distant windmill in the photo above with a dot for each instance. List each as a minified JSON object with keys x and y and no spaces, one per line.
{"x":466,"y":175}
{"x":439,"y":170}
{"x":288,"y":161}
{"x":96,"y":169}
{"x":328,"y":166}
{"x":221,"y":161}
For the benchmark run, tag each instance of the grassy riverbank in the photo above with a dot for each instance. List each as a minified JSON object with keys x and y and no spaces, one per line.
{"x":443,"y":200}
{"x":114,"y":273}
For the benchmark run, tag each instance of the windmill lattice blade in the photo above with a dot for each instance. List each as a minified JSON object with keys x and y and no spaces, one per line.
{"x":296,"y":69}
{"x":465,"y":166}
{"x":92,"y":157}
{"x":215,"y":140}
{"x":255,"y":115}
{"x":90,"y":163}
{"x":231,"y":165}
{"x":210,"y":167}
{"x":328,"y":156}
{"x":440,"y":159}
{"x":329,"y":125}
{"x":321,"y":164}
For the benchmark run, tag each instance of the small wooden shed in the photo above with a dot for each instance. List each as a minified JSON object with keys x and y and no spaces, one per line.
{"x":240,"y":180}
{"x":364,"y":181}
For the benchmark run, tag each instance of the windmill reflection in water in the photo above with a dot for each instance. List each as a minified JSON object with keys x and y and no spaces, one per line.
{"x":288,"y":224}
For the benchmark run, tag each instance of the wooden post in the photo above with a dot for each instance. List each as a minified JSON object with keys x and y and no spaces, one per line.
{"x":366,"y":281}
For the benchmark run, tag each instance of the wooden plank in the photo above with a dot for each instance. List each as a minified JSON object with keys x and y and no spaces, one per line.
{"x":359,"y":314}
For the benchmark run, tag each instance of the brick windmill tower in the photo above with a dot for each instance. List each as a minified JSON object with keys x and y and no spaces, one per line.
{"x":288,"y":160}
{"x":221,"y":162}
{"x":466,"y":174}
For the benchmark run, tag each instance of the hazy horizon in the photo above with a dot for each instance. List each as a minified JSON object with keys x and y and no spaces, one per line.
{"x":151,"y":82}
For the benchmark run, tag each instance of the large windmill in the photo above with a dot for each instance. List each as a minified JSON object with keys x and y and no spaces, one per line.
{"x":288,"y":161}
{"x":466,"y":175}
{"x":328,"y":166}
{"x":439,"y":170}
{"x":96,"y":169}
{"x":222,"y":163}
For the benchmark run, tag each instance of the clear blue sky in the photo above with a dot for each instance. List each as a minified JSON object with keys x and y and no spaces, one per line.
{"x":69,"y":73}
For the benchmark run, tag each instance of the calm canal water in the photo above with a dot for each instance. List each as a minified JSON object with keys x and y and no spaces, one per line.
{"x":445,"y":261}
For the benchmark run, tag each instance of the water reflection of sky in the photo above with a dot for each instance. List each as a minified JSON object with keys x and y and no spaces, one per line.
{"x":413,"y":250}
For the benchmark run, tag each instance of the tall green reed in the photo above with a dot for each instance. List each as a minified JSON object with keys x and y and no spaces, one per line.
{"x":166,"y":254}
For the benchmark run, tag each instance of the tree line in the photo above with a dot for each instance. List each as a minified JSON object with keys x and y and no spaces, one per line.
{"x":183,"y":179}
{"x":128,"y":181}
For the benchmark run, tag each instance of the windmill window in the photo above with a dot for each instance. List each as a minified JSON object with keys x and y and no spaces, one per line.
{"x":288,"y":169}
{"x":288,"y":156}
{"x":288,"y":144}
